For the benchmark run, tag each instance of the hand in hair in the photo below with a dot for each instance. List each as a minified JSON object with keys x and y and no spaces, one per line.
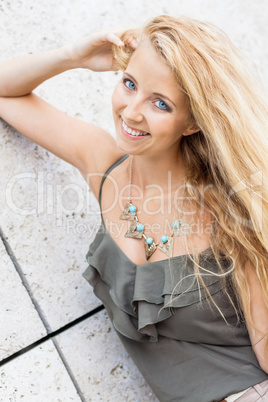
{"x":95,"y":52}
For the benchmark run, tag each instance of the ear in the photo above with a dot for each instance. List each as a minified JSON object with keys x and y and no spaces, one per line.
{"x":191,"y":129}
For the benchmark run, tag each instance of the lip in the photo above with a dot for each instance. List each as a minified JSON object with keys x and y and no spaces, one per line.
{"x":132,"y":137}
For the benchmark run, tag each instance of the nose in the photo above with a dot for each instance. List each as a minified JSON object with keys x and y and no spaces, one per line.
{"x":134,"y":109}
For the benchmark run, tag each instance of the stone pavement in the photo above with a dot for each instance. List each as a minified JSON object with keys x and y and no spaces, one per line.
{"x":56,"y":343}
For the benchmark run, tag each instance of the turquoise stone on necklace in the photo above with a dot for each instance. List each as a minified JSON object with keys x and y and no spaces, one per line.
{"x":132,"y":208}
{"x":181,"y":227}
{"x":127,"y":213}
{"x":175,"y":224}
{"x":149,"y":240}
{"x":164,"y":239}
{"x":140,"y":227}
{"x":136,"y":231}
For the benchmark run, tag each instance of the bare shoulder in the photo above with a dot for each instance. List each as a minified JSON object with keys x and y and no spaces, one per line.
{"x":97,"y":150}
{"x":95,"y":164}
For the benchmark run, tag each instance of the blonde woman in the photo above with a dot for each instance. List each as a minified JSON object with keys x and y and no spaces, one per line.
{"x":180,"y":260}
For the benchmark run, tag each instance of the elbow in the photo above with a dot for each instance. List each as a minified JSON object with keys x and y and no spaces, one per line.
{"x":264,"y":367}
{"x":261,"y":352}
{"x":263,"y":362}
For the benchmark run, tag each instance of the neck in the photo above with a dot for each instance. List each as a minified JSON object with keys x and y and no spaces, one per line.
{"x":162,"y":171}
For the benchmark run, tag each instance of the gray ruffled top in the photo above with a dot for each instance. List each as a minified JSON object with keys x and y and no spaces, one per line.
{"x":187,"y":352}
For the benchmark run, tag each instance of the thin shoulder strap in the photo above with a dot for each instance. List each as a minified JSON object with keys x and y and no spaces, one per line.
{"x":108,"y":171}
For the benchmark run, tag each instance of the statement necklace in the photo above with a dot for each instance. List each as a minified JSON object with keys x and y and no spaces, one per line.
{"x":136,"y":230}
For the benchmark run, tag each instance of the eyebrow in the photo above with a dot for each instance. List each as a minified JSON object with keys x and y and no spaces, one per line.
{"x":154,"y":93}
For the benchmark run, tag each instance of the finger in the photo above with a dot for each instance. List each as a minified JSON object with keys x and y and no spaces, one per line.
{"x":132,"y":41}
{"x":111,"y":37}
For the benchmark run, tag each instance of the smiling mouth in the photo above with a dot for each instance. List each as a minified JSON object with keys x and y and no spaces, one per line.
{"x":132,"y":132}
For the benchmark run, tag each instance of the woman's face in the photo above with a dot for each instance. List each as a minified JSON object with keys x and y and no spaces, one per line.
{"x":151,"y":113}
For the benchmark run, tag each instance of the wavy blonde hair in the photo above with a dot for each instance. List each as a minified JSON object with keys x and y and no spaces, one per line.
{"x":230,"y":150}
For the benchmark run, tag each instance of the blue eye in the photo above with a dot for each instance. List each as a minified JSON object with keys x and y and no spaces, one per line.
{"x":129,"y":84}
{"x":161,"y":105}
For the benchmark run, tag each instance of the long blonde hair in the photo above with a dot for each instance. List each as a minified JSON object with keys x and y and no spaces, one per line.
{"x":230,"y":150}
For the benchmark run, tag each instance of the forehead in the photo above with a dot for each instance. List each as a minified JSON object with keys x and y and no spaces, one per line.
{"x":152,"y":73}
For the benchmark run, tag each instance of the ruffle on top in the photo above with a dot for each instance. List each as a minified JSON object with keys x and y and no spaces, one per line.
{"x":135,"y":295}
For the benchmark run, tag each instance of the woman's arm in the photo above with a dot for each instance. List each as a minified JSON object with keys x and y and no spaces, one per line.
{"x":22,"y":75}
{"x":84,"y":145}
{"x":260,"y":318}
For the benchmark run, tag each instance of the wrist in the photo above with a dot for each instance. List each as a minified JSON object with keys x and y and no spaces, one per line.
{"x":68,"y":58}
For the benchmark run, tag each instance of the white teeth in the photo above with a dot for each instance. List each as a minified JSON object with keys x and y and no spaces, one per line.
{"x":131,"y":131}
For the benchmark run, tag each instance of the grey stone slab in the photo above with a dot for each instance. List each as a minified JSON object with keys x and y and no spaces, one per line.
{"x":101,"y":366}
{"x":37,"y":376}
{"x":20,"y":323}
{"x":44,"y":218}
